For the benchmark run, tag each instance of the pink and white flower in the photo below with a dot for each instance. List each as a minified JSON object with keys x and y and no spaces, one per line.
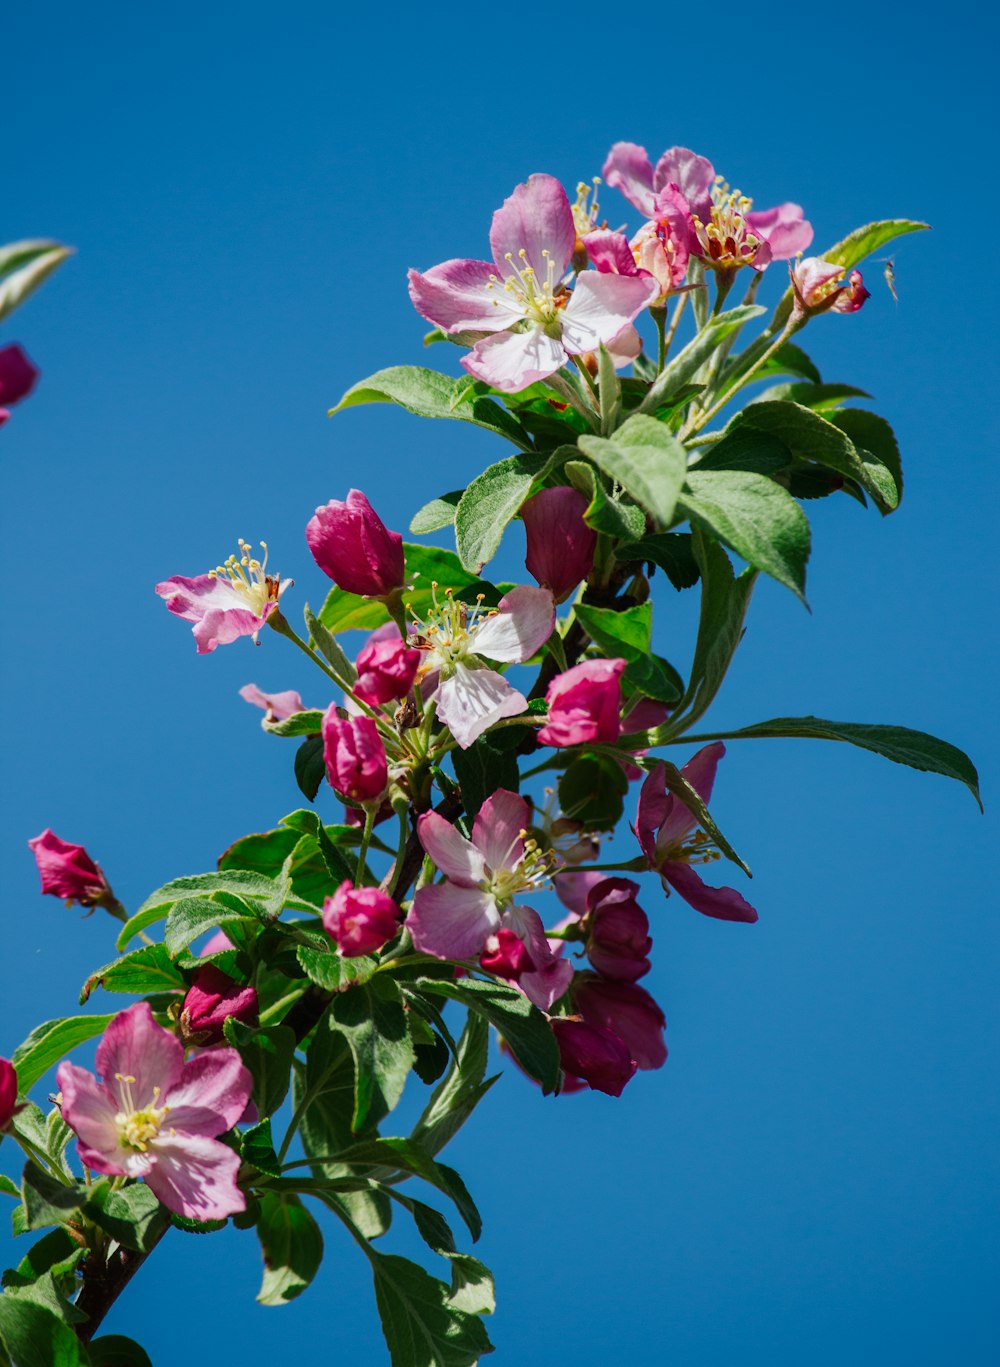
{"x":463,"y":917}
{"x":660,"y":249}
{"x":820,"y":286}
{"x":668,"y":837}
{"x":520,"y":297}
{"x":455,"y":638}
{"x":155,"y":1116}
{"x":233,"y":600}
{"x":278,"y":706}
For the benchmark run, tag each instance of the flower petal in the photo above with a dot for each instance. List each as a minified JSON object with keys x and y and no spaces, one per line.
{"x":601,"y":306}
{"x":694,"y":176}
{"x":136,"y":1056}
{"x":278,"y":706}
{"x":700,"y":773}
{"x":787,"y":232}
{"x":536,"y":219}
{"x":552,"y":973}
{"x":212,"y":1094}
{"x":498,"y":829}
{"x":473,"y":699}
{"x":610,"y":253}
{"x":653,"y":809}
{"x":573,"y":887}
{"x":629,"y":169}
{"x":452,"y":922}
{"x":458,"y":296}
{"x":90,"y":1111}
{"x":522,"y":624}
{"x":513,"y":360}
{"x":726,"y":904}
{"x":456,"y":857}
{"x":196,"y":1177}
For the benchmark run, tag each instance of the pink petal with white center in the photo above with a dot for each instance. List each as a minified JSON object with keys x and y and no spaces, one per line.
{"x":196,"y":1177}
{"x":610,"y":253}
{"x":629,"y":169}
{"x":451,"y":922}
{"x":498,"y":830}
{"x":136,"y":1047}
{"x":725,"y":904}
{"x":212,"y":1094}
{"x":219,"y":613}
{"x":456,"y":857}
{"x":694,"y":176}
{"x":90,"y":1111}
{"x":458,"y":296}
{"x":535,"y":219}
{"x":572,"y":888}
{"x":511,"y":361}
{"x":278,"y":706}
{"x":551,"y":976}
{"x":601,"y":306}
{"x":524,"y":621}
{"x":785,"y":229}
{"x":471,"y":700}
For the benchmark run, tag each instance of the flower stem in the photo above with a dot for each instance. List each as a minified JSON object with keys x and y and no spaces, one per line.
{"x":370,"y":812}
{"x":790,"y":327}
{"x":678,"y":313}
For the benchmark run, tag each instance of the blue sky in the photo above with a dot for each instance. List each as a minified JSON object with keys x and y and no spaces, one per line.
{"x":813,"y":1175}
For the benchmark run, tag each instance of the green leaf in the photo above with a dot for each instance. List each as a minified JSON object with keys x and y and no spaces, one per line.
{"x":724,"y":602}
{"x":267,"y":1050}
{"x":292,"y":1245}
{"x":472,"y":1287}
{"x":876,"y":445}
{"x":755,"y":517}
{"x":627,"y":635}
{"x":429,"y":394}
{"x":266,"y":853}
{"x":671,"y":551}
{"x":8,"y":1187}
{"x":375,"y":1027}
{"x":149,"y":969}
{"x":50,"y":1042}
{"x":438,"y":513}
{"x":267,"y":896}
{"x":369,"y":1208}
{"x":331,"y":971}
{"x":310,"y":766}
{"x":431,"y":1225}
{"x":337,"y":866}
{"x":852,"y":249}
{"x":34,"y":1337}
{"x":689,"y":361}
{"x":132,"y":1215}
{"x":646,"y":459}
{"x":522,"y":1025}
{"x":47,"y":1201}
{"x":421,"y":1326}
{"x":328,"y":646}
{"x":308,"y":723}
{"x":592,"y":791}
{"x":805,"y":433}
{"x":787,"y":360}
{"x":28,"y":265}
{"x":115,"y":1350}
{"x":489,"y":503}
{"x":822,"y":398}
{"x":898,"y":743}
{"x":324,"y":1098}
{"x":459,"y":1092}
{"x":403,"y":1155}
{"x":193,"y":916}
{"x":745,"y":448}
{"x":693,"y":801}
{"x":257,"y":1147}
{"x":488,"y":764}
{"x":425,"y":566}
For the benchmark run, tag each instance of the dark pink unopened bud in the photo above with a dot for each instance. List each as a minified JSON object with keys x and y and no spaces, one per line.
{"x":69,"y":872}
{"x":560,"y":544}
{"x":8,"y":1092}
{"x":355,"y":757}
{"x":352,"y":545}
{"x":211,"y":999}
{"x":386,"y":670}
{"x":626,"y":1010}
{"x":584,"y":704}
{"x":361,"y":920}
{"x":17,"y":375}
{"x":507,"y":955}
{"x":618,"y":930}
{"x":597,"y":1056}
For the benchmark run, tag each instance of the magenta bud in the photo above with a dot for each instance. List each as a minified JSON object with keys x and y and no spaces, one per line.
{"x":584,"y":704}
{"x":560,"y":544}
{"x":597,"y":1056}
{"x":352,"y":545}
{"x":210,"y":1001}
{"x":386,"y":670}
{"x":68,"y":871}
{"x":355,"y":757}
{"x":618,"y":930}
{"x":626,"y":1010}
{"x":361,"y":920}
{"x":17,"y":375}
{"x":8,"y":1092}
{"x":507,"y":955}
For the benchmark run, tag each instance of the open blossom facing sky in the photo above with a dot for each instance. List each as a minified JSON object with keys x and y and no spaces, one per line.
{"x":153,"y":1115}
{"x":519,"y":296}
{"x":231,"y":601}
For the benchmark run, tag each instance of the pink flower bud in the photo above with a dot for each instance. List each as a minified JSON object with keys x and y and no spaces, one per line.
{"x":507,"y":955}
{"x":351,"y":544}
{"x":626,"y":1010}
{"x":820,"y":286}
{"x":361,"y":920}
{"x":69,"y":872}
{"x":386,"y":670}
{"x":560,"y":544}
{"x":598,"y":1056}
{"x":584,"y":704}
{"x":8,"y":1092}
{"x":618,"y":939}
{"x":17,"y":375}
{"x":355,"y":758}
{"x":211,"y":999}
